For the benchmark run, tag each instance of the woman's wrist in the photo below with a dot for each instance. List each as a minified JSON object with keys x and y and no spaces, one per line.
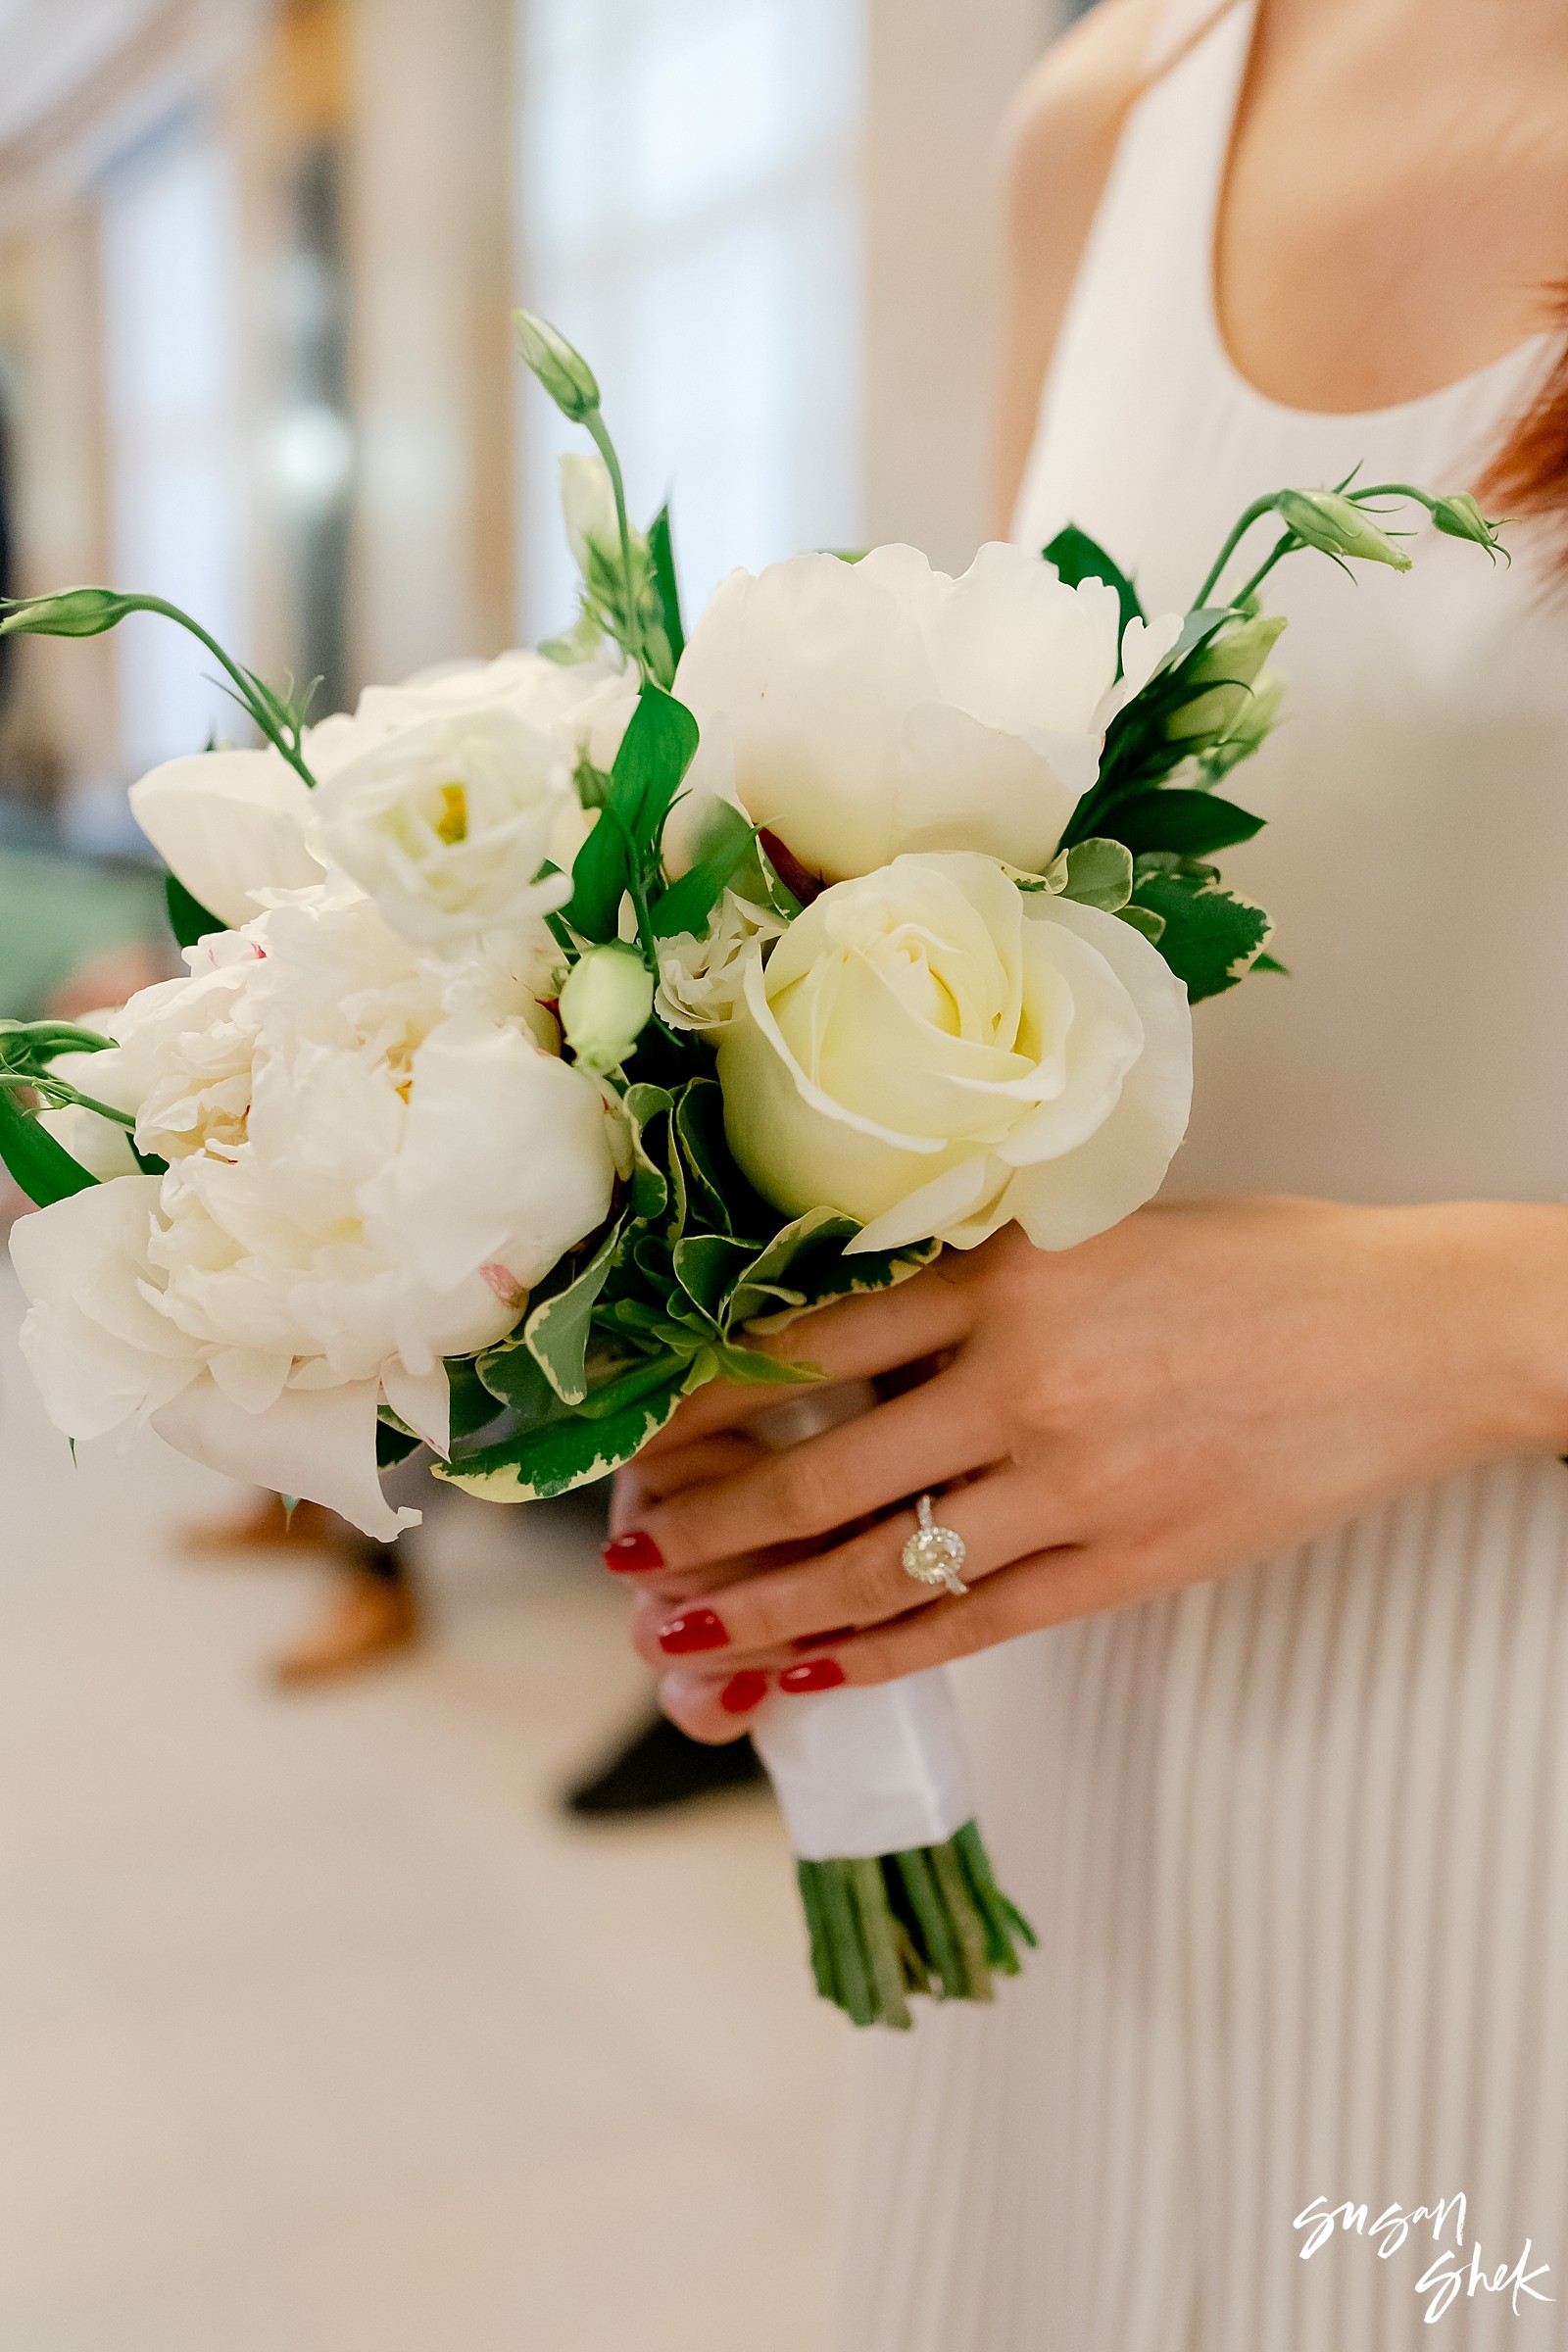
{"x":1495,"y":1278}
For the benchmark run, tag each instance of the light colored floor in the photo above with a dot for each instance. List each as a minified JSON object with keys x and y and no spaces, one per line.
{"x":320,"y":2032}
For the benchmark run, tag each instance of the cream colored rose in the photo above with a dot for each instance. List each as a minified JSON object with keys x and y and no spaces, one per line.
{"x":934,"y":1052}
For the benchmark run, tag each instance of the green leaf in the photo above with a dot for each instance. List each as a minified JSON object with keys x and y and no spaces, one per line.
{"x":1099,"y":873}
{"x":655,"y":754}
{"x":841,"y":1277}
{"x":699,"y":1125}
{"x":1143,"y":919}
{"x":1190,"y":823}
{"x":822,"y":1229}
{"x":43,"y":1168}
{"x":555,"y":1331}
{"x":1077,"y":557}
{"x":649,"y":1185}
{"x":599,"y":877}
{"x":707,"y":1265}
{"x":752,"y":1370}
{"x":575,"y":1452}
{"x":687,"y":903}
{"x":1211,"y":937}
{"x":189,"y":919}
{"x":1268,"y":963}
{"x":637,"y":1382}
{"x":661,"y":550}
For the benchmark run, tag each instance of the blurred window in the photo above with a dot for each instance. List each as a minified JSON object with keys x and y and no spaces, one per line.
{"x":691,"y":217}
{"x":170,"y":265}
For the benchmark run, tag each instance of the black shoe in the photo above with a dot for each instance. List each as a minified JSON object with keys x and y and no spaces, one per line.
{"x":658,"y":1767}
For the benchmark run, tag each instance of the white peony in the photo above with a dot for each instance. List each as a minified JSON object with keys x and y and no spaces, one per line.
{"x":934,"y":1052}
{"x":370,"y":1165}
{"x":233,"y":825}
{"x":858,"y":710}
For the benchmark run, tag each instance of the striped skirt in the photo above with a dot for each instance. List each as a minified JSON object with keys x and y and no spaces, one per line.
{"x":1291,"y":2065}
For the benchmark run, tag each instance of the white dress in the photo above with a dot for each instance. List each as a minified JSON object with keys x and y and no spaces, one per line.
{"x":1296,"y":1842}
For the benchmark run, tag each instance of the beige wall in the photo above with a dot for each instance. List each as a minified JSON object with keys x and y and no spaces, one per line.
{"x":940,"y":75}
{"x":430,"y":247}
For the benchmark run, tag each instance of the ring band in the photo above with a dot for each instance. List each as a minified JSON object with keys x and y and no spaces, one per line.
{"x":933,"y":1554}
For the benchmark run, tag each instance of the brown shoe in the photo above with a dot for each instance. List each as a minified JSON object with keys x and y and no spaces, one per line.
{"x":269,"y":1527}
{"x":374,"y":1614}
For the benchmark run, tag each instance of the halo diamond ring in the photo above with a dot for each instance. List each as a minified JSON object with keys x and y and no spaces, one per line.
{"x":933,"y":1554}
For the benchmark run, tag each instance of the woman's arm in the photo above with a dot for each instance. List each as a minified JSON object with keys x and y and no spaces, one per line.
{"x":1062,"y":137}
{"x":1198,"y":1389}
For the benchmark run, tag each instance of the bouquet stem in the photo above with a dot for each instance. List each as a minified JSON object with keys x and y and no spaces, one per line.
{"x":930,"y":1919}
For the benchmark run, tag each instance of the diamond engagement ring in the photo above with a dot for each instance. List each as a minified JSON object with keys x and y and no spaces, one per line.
{"x":934,"y":1555}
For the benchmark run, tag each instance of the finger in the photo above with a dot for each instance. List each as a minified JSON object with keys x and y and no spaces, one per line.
{"x":644,"y":1481}
{"x":854,"y":1339}
{"x":866,"y":1466}
{"x":1045,"y":1589}
{"x":856,"y":1585}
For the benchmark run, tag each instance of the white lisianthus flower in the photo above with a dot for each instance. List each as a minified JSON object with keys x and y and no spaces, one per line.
{"x":934,"y":1052}
{"x":447,"y":824}
{"x":866,"y":710}
{"x":228,"y":824}
{"x":235,"y":825}
{"x":365,"y":1174}
{"x":701,"y":979}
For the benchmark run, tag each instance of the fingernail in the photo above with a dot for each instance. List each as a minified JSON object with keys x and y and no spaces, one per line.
{"x":743,"y":1692}
{"x":814,"y":1673}
{"x":634,"y":1554}
{"x":840,"y":1632}
{"x":693,"y":1629}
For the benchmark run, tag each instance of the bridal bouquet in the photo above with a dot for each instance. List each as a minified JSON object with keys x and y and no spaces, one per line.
{"x":554,"y":1029}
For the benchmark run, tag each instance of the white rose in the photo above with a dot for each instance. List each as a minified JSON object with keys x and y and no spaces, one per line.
{"x":934,"y":1052}
{"x":366,"y":1174}
{"x":875,"y":708}
{"x":447,"y":824}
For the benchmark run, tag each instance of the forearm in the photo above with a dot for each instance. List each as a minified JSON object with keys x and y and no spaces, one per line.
{"x":1493,"y":1281}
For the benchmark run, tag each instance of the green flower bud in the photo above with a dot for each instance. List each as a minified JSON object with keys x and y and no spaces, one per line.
{"x":73,"y":613}
{"x":605,"y":1004}
{"x":1225,"y":671}
{"x":588,"y":507}
{"x":562,"y":371}
{"x":1252,"y":727}
{"x":1322,"y":519}
{"x":1461,"y":518}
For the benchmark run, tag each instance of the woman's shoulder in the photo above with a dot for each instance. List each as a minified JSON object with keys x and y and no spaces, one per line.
{"x":1063,"y":124}
{"x":1061,"y":135}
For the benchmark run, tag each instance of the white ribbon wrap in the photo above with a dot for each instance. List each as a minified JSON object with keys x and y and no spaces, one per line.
{"x":861,"y":1772}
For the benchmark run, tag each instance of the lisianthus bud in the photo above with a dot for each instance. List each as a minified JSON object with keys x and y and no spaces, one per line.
{"x":1459,"y":516}
{"x":1323,"y":519}
{"x":1225,"y":672}
{"x":605,"y":1004}
{"x":588,"y":503}
{"x":1251,"y":728}
{"x":562,"y":369}
{"x":73,"y":613}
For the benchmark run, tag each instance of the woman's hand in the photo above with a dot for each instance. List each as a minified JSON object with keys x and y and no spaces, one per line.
{"x":1194,"y":1391}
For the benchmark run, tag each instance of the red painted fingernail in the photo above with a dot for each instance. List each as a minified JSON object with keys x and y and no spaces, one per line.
{"x":743,"y":1692}
{"x":840,"y":1632}
{"x":816,"y":1674}
{"x":634,"y":1554}
{"x":693,"y":1629}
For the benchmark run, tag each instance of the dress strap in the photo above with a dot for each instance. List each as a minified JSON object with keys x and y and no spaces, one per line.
{"x":1179,"y":27}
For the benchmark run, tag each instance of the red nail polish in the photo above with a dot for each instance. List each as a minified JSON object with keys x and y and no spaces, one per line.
{"x":634,"y":1554}
{"x":743,"y":1692}
{"x":693,"y":1629}
{"x":813,"y":1673}
{"x":840,"y":1632}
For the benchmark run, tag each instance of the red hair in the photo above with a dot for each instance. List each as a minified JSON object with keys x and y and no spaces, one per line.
{"x":1528,"y":477}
